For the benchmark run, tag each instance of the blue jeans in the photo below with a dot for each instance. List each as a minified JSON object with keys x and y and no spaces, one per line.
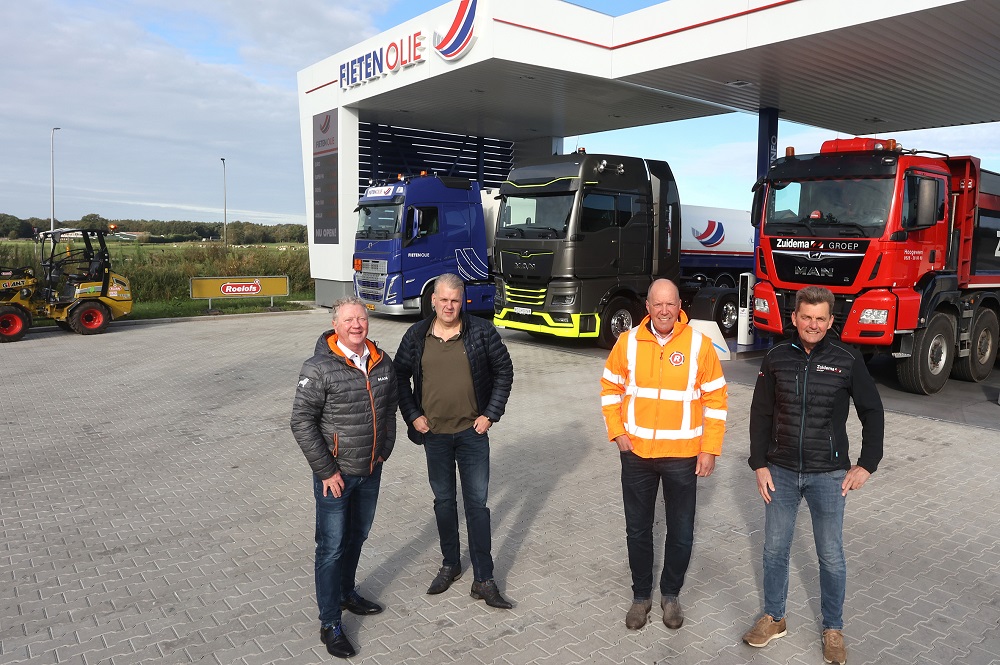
{"x":641,"y":480}
{"x":470,"y":452}
{"x":342,"y":526}
{"x":823,"y":495}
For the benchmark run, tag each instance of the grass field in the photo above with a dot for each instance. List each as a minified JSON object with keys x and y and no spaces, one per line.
{"x":160,"y":273}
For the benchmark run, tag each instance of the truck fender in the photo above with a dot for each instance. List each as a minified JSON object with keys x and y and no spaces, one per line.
{"x":938,"y":293}
{"x":709,"y":302}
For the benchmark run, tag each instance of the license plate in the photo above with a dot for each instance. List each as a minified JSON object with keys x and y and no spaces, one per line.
{"x":522,"y":310}
{"x":370,"y":306}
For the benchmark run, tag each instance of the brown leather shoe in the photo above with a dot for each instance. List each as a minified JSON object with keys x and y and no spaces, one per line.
{"x":445,"y":577}
{"x":636,"y":617}
{"x":765,"y":630}
{"x":834,"y":650}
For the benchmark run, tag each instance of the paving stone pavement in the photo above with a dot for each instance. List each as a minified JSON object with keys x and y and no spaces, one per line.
{"x":155,"y":508}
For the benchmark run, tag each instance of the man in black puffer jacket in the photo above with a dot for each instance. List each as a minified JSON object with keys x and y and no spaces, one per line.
{"x":344,"y":420}
{"x":799,"y":449}
{"x":462,"y":375}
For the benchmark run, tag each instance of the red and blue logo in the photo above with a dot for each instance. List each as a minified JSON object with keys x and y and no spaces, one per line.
{"x":459,"y":38}
{"x":713,"y":236}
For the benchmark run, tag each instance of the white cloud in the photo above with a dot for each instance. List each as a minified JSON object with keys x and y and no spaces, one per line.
{"x":150,"y":94}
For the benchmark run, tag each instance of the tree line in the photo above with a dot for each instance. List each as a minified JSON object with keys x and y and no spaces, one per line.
{"x":237,"y":233}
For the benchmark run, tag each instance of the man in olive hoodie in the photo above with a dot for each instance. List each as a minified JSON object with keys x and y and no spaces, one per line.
{"x":344,"y":420}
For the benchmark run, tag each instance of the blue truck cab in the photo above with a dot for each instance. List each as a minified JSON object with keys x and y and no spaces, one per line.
{"x":411,"y":231}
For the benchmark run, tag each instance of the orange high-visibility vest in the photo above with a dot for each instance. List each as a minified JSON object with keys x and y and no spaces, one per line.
{"x":670,"y":400}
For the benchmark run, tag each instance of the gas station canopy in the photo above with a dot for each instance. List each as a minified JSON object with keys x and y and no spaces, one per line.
{"x":531,"y":72}
{"x":851,"y":67}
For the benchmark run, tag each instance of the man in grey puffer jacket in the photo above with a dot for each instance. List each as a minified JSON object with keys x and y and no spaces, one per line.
{"x":344,"y":420}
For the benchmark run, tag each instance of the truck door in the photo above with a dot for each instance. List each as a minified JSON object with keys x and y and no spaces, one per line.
{"x":930,"y":248}
{"x":421,"y":248}
{"x":635,"y":250}
{"x":597,"y":250}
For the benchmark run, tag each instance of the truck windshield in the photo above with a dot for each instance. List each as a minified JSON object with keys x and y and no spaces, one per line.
{"x":378,"y":221}
{"x":535,"y":216}
{"x":829,"y":207}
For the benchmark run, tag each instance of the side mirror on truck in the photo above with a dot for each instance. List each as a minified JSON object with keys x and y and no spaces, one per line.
{"x":924,"y":196}
{"x":758,"y":203}
{"x":411,"y":225}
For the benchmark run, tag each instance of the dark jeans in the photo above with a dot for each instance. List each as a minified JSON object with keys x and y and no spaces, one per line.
{"x":641,"y":479}
{"x":470,"y":452}
{"x":342,"y":526}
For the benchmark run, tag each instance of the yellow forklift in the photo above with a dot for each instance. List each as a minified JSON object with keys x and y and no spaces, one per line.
{"x":77,"y":288}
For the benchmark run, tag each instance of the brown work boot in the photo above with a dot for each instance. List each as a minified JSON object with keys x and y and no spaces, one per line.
{"x":833,"y":647}
{"x":636,"y":617}
{"x":673,"y":615}
{"x":765,"y":630}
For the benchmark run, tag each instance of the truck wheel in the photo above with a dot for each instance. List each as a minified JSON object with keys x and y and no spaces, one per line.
{"x":979,"y":363}
{"x":620,"y":316}
{"x":90,"y":318}
{"x":13,"y":323}
{"x":727,"y":314}
{"x":426,"y":307}
{"x":927,"y":370}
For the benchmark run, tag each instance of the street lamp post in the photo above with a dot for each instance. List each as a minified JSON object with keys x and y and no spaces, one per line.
{"x":225,"y":240}
{"x":52,"y":177}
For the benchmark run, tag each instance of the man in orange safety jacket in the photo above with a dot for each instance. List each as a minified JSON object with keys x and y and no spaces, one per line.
{"x":664,"y":401}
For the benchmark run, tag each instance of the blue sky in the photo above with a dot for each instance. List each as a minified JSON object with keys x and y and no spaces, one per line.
{"x":149,"y":94}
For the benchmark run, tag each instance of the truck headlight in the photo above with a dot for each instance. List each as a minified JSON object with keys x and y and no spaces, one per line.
{"x":760,"y":305}
{"x":564,"y":301}
{"x":874,"y":317}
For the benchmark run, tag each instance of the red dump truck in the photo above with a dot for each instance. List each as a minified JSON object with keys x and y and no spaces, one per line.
{"x":907,"y":240}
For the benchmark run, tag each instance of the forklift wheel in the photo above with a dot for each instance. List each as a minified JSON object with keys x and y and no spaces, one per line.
{"x":90,"y":318}
{"x":13,"y":323}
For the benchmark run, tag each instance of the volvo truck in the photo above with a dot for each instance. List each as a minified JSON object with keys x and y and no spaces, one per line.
{"x":907,"y":240}
{"x":416,"y":228}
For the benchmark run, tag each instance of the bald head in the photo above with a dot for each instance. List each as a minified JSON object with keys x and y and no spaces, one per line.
{"x":663,"y":303}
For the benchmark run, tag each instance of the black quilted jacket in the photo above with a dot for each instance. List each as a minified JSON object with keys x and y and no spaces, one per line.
{"x":341,"y":419}
{"x":798,"y":418}
{"x":492,"y":369}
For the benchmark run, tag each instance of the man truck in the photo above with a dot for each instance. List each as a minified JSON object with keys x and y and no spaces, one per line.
{"x":580,"y":237}
{"x":907,"y":240}
{"x":416,"y":228}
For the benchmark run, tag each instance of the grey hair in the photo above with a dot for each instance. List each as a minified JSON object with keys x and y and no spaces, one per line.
{"x":450,"y":281}
{"x":814,"y":295}
{"x":349,"y":300}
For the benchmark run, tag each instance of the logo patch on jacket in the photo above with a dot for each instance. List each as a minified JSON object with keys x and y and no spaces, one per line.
{"x":303,"y":383}
{"x":828,"y":368}
{"x":382,"y":378}
{"x":676,"y":358}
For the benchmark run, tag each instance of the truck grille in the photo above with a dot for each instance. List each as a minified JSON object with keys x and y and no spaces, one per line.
{"x":371,"y":279}
{"x":528,"y":297}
